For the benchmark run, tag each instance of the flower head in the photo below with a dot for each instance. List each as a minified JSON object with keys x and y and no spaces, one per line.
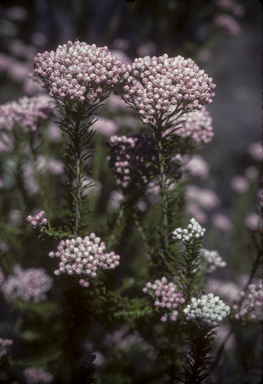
{"x":78,"y":72}
{"x":29,"y":284}
{"x":38,"y":221}
{"x":160,"y":83}
{"x":3,"y":344}
{"x":250,"y":307}
{"x":166,"y":296}
{"x":83,"y":257}
{"x":194,"y":232}
{"x":213,"y":259}
{"x":37,"y":375}
{"x":207,"y":311}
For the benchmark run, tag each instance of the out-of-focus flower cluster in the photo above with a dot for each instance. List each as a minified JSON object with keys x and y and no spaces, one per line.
{"x":166,"y":296}
{"x":134,"y":161}
{"x":3,"y":344}
{"x":29,"y":284}
{"x":190,"y":235}
{"x":105,"y":127}
{"x":159,"y":83}
{"x":78,"y":72}
{"x":213,"y":259}
{"x":38,"y":221}
{"x":251,"y":303}
{"x":83,"y":257}
{"x":207,"y":311}
{"x":26,"y":113}
{"x":37,"y":375}
{"x":198,"y":126}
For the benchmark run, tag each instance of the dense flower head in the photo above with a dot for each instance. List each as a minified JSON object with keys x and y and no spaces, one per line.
{"x":3,"y":344}
{"x":198,"y":126}
{"x":250,"y":306}
{"x":38,"y":221}
{"x":29,"y":284}
{"x":27,"y":113}
{"x":83,"y":257}
{"x":105,"y":127}
{"x":213,"y":259}
{"x":78,"y":72}
{"x":166,"y":296}
{"x":134,"y":161}
{"x":190,"y":235}
{"x":37,"y":375}
{"x":207,"y":311}
{"x":159,"y":83}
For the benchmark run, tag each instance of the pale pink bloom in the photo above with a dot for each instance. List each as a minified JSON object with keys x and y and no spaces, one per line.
{"x":147,"y":49}
{"x":206,"y":198}
{"x":229,"y":24}
{"x":95,"y":188}
{"x":222,"y":222}
{"x":105,"y":127}
{"x":195,"y":211}
{"x":54,"y":133}
{"x":37,"y":376}
{"x":39,"y":39}
{"x":38,"y":221}
{"x":142,"y":206}
{"x":256,"y":151}
{"x":239,"y":184}
{"x":31,"y":86}
{"x":83,"y":256}
{"x":251,"y":173}
{"x":236,"y":9}
{"x":29,"y":284}
{"x":253,"y":221}
{"x":115,"y":198}
{"x":3,"y":344}
{"x":198,"y":167}
{"x":227,"y":289}
{"x":17,"y":13}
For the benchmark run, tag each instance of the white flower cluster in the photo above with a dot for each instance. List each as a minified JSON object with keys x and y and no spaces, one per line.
{"x":213,"y":259}
{"x":194,"y":231}
{"x":207,"y":311}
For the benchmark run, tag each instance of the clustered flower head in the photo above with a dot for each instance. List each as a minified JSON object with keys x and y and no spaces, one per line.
{"x":207,"y":311}
{"x":38,"y":221}
{"x":194,"y":232}
{"x":159,"y":83}
{"x":78,"y":72}
{"x":83,"y":257}
{"x":133,"y":160}
{"x":213,"y":259}
{"x":29,"y":284}
{"x":3,"y":344}
{"x":167,"y":296}
{"x":198,"y":126}
{"x":27,"y":113}
{"x":37,"y":375}
{"x":251,"y":305}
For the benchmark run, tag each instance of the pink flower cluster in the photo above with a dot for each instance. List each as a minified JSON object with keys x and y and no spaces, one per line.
{"x":213,"y":259}
{"x":251,"y":305}
{"x":166,"y":295}
{"x":83,"y":257}
{"x":38,"y":221}
{"x":26,"y":113}
{"x":78,"y":72}
{"x":197,"y":125}
{"x":37,"y":375}
{"x":159,"y":83}
{"x":3,"y":344}
{"x":29,"y":284}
